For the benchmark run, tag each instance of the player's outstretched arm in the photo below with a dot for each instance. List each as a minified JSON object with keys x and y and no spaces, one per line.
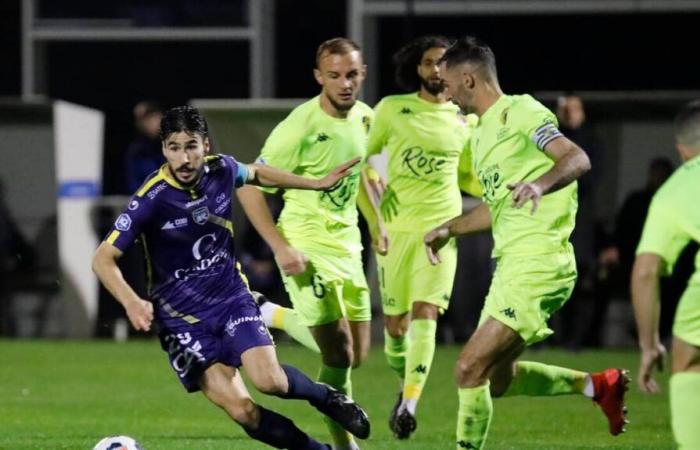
{"x":646,"y":301}
{"x":264,"y":175}
{"x":104,"y":264}
{"x":477,"y":219}
{"x":290,"y":260}
{"x":570,"y":163}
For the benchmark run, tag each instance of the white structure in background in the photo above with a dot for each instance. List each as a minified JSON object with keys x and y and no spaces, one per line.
{"x":78,"y":145}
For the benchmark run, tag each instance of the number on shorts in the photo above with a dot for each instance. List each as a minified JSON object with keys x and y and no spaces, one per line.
{"x":317,"y":285}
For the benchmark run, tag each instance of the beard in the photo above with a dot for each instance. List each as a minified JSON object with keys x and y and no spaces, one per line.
{"x":342,"y":107}
{"x":434,"y":87}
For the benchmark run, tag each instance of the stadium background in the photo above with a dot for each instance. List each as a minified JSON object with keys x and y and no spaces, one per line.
{"x":632,"y":62}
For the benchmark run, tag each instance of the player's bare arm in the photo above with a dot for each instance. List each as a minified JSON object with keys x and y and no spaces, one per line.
{"x":570,"y":163}
{"x":263,"y":175}
{"x":368,"y":203}
{"x":646,"y":301}
{"x":474,"y":221}
{"x":291,"y":260}
{"x":104,"y":264}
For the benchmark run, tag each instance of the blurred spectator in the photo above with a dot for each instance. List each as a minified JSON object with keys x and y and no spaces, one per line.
{"x":572,"y":123}
{"x":617,"y":258}
{"x":144,"y":154}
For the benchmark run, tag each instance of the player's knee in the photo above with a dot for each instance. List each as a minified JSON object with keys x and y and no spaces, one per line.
{"x":343,"y":356}
{"x":470,"y":373}
{"x":245,"y":413}
{"x":272,"y":382}
{"x":396,"y":326}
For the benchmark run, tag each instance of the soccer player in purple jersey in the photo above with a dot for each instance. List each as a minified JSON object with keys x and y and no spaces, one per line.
{"x":207,"y":319}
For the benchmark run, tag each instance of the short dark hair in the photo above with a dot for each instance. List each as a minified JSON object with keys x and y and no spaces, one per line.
{"x":687,"y":124}
{"x":336,"y":46}
{"x":469,"y":49}
{"x":183,"y":118}
{"x":409,"y":56}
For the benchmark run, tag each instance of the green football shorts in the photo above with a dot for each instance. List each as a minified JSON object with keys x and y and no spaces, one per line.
{"x":330,"y":289}
{"x":406,"y":275}
{"x":686,"y":324}
{"x":526,"y":290}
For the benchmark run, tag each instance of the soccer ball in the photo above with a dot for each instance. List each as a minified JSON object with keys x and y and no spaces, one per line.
{"x":118,"y":443}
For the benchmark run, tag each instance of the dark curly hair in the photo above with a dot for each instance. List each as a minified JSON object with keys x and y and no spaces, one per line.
{"x":408,"y":57}
{"x":183,"y":118}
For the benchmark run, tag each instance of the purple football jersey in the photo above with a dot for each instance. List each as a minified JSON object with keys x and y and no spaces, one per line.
{"x":187,"y":235}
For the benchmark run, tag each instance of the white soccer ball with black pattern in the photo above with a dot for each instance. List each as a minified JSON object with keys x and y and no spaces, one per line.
{"x":118,"y":443}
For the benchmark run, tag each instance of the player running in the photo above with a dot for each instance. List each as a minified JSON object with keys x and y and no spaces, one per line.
{"x":207,"y":320}
{"x":520,"y":156}
{"x":672,"y":222}
{"x":424,"y":136}
{"x":317,"y":241}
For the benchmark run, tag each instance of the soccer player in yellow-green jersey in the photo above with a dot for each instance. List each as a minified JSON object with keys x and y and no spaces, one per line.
{"x":317,"y":241}
{"x":672,"y":222}
{"x":520,"y":156}
{"x":424,"y":137}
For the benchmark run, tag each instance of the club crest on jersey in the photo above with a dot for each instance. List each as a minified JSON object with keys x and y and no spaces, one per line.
{"x":200,"y":215}
{"x":123,"y":222}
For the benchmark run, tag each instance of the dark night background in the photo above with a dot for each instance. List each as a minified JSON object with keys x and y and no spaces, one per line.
{"x":534,"y":53}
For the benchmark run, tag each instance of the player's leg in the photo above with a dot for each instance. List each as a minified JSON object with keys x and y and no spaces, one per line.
{"x":685,"y":381}
{"x":392,"y":273}
{"x":285,"y":381}
{"x":361,"y":340}
{"x":224,"y":387}
{"x":337,"y":354}
{"x":492,"y":345}
{"x":523,"y":295}
{"x":428,"y":288}
{"x":285,"y":319}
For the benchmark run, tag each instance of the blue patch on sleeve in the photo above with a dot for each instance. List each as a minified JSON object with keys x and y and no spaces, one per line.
{"x":241,"y":175}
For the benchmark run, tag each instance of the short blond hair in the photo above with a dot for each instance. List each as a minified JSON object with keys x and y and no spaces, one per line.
{"x":336,"y":46}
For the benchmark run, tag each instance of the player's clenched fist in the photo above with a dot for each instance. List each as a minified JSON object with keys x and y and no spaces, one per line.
{"x":140,"y":313}
{"x":291,"y":261}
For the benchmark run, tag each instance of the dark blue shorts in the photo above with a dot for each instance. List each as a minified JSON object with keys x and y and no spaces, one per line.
{"x":222,"y":338}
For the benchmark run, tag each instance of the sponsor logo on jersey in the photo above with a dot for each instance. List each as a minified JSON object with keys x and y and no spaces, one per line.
{"x":203,"y":266}
{"x":123,"y":222}
{"x":173,"y":224}
{"x":196,"y":202}
{"x":221,"y":197}
{"x":222,"y":207}
{"x":133,"y":205}
{"x":156,"y":190}
{"x":200,"y":215}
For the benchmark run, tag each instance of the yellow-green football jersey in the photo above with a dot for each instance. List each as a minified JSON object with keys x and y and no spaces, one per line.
{"x":424,"y":142}
{"x":508,"y":147}
{"x":310,"y":143}
{"x":674,"y":218}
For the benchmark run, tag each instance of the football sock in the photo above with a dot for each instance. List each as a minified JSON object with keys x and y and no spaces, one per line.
{"x":287,"y":319}
{"x":339,"y":378}
{"x":302,"y":387}
{"x":685,"y":398}
{"x":474,"y":417}
{"x":280,"y":432}
{"x":419,"y":358}
{"x":395,"y":352}
{"x":536,"y":379}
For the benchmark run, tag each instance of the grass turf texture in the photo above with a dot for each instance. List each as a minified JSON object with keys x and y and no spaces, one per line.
{"x":67,"y":395}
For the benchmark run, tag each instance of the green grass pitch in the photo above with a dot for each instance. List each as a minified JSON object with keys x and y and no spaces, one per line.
{"x":67,"y":395}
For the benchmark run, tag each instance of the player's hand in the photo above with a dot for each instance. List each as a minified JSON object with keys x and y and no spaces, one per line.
{"x":140,"y":313}
{"x":337,"y":174}
{"x":522,"y":192}
{"x":380,"y":239}
{"x":291,"y":260}
{"x":434,"y":241}
{"x":650,"y":359}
